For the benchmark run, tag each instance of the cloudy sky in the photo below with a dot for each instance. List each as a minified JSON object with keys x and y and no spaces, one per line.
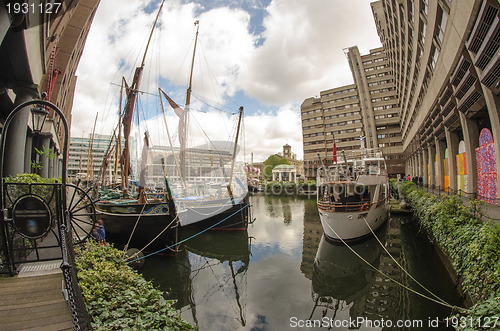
{"x":265,"y":55}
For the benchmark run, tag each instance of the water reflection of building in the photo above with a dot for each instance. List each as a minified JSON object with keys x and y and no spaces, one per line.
{"x":313,"y":231}
{"x":341,"y":281}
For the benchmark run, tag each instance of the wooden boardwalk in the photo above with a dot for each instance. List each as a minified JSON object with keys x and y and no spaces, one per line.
{"x":34,"y":302}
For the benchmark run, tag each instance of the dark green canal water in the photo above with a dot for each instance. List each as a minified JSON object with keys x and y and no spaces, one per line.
{"x":282,"y":275}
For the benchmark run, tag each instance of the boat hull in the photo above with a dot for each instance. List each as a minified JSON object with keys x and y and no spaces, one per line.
{"x":120,"y":220}
{"x":213,"y":216}
{"x":351,"y":226}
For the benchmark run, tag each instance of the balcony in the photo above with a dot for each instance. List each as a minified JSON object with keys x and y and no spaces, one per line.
{"x":486,"y":16}
{"x":491,"y":75}
{"x":466,"y":83}
{"x":462,"y":67}
{"x":437,"y":121}
{"x":448,"y":107}
{"x":448,"y":92}
{"x":439,"y":131}
{"x":452,"y":120}
{"x":489,"y":46}
{"x":472,"y":101}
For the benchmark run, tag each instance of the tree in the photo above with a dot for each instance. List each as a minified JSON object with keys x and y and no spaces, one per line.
{"x":271,"y":162}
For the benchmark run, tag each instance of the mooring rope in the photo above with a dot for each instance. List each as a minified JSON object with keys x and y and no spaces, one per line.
{"x":191,"y":237}
{"x":392,"y":279}
{"x":400,"y":266}
{"x":159,"y":234}
{"x":135,"y":226}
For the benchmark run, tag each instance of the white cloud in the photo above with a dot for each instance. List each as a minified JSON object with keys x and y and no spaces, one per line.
{"x":267,"y":133}
{"x":301,"y":55}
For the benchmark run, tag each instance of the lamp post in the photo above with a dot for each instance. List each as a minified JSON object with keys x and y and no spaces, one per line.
{"x":39,"y":114}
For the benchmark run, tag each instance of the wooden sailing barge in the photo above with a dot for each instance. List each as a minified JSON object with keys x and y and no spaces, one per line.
{"x":150,"y":218}
{"x":226,"y":211}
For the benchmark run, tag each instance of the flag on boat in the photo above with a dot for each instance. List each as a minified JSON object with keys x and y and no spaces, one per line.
{"x":180,"y":113}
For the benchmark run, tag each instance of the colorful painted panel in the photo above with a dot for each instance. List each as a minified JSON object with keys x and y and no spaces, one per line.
{"x":436,"y":182}
{"x":446,"y":174}
{"x":486,"y":167}
{"x":461,"y":167}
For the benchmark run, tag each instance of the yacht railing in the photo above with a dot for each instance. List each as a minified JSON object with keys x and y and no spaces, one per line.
{"x":338,"y":207}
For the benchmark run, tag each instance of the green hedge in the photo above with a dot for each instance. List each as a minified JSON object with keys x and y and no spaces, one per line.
{"x":117,"y":297}
{"x":473,"y":246}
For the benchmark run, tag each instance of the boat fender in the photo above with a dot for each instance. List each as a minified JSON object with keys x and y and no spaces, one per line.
{"x":136,"y":255}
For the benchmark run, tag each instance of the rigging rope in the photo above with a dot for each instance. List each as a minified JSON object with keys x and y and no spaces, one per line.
{"x":133,"y":230}
{"x":184,"y":240}
{"x":159,"y":234}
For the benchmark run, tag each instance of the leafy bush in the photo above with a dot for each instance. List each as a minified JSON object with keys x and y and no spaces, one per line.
{"x":473,"y":245}
{"x":31,"y":178}
{"x":117,"y":297}
{"x":15,"y":190}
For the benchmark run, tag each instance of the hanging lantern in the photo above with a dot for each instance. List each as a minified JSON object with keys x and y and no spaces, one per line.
{"x":38,"y":116}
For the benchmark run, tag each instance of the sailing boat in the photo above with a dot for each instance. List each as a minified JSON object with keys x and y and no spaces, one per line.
{"x":149,"y":217}
{"x":207,"y":199}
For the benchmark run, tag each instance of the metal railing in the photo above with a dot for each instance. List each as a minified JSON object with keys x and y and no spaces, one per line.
{"x":364,"y":205}
{"x":81,"y":318}
{"x":16,"y":249}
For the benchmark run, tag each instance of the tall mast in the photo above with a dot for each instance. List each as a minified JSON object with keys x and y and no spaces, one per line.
{"x":234,"y":155}
{"x":182,"y":155}
{"x":90,"y":159}
{"x":118,"y":140}
{"x":188,"y":94}
{"x":129,"y":106}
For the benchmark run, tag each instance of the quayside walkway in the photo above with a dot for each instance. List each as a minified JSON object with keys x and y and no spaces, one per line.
{"x":33,"y":300}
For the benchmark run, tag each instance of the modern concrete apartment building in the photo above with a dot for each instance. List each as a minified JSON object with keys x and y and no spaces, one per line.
{"x":445,"y":56}
{"x":368,"y":108}
{"x":79,"y":165}
{"x":39,"y":52}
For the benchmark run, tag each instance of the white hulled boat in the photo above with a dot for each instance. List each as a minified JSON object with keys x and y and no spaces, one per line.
{"x":351,"y":193}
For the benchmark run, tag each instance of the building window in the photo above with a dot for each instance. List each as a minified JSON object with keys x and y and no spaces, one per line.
{"x":421,"y":32}
{"x":443,"y":20}
{"x":434,"y":56}
{"x":424,"y":4}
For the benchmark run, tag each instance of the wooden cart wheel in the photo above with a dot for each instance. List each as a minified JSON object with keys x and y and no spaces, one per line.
{"x":82,"y":213}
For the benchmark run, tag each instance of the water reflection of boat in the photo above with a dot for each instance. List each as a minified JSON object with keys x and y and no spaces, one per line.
{"x":171,"y":274}
{"x":341,"y":280}
{"x":207,"y":279}
{"x":221,"y":259}
{"x":223,"y":246}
